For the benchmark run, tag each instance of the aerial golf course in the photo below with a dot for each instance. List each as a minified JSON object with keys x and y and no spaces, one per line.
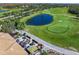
{"x":63,"y":30}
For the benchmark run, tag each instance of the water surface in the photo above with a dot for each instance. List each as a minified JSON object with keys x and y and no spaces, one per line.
{"x":41,"y":19}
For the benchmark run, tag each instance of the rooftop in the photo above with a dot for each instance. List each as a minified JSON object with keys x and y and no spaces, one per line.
{"x":8,"y":45}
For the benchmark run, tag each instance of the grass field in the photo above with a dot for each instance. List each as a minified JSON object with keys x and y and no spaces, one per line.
{"x":63,"y":31}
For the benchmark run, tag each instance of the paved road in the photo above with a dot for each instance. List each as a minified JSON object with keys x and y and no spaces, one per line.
{"x":14,"y":15}
{"x":56,"y":48}
{"x":53,"y":47}
{"x":32,"y":10}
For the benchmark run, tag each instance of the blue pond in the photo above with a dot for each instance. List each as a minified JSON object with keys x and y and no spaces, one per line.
{"x":41,"y":19}
{"x":2,"y":10}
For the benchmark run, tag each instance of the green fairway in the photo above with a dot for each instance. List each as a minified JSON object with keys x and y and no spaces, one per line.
{"x":59,"y":28}
{"x":63,"y":31}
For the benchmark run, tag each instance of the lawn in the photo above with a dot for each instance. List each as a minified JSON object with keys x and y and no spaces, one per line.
{"x":63,"y":31}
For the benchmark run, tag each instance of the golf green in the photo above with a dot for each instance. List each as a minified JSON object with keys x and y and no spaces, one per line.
{"x":58,"y":28}
{"x":63,"y":31}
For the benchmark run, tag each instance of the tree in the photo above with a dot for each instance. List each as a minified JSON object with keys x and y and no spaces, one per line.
{"x":74,"y":9}
{"x":20,"y":25}
{"x":8,"y":26}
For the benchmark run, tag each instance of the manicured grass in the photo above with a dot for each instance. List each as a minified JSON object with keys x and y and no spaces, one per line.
{"x":58,"y":28}
{"x":63,"y":31}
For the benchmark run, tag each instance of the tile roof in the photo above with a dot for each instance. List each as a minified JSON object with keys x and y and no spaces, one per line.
{"x":8,"y":45}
